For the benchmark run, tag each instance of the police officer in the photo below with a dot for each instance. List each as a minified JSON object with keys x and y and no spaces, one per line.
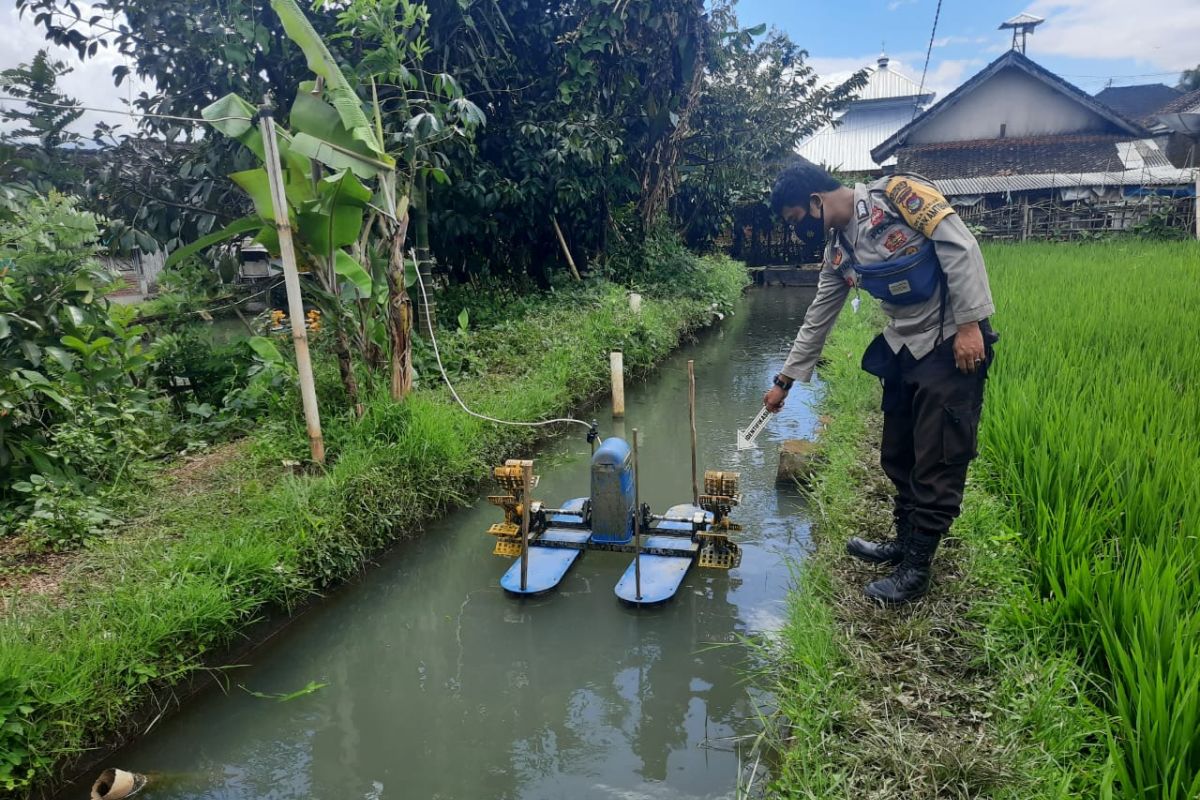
{"x":899,"y":240}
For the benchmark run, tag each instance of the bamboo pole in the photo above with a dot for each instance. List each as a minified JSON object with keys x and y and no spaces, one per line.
{"x":616,"y":362}
{"x":291,"y":279}
{"x":692,"y":417}
{"x":566,"y":250}
{"x":526,"y":493}
{"x":637,"y":522}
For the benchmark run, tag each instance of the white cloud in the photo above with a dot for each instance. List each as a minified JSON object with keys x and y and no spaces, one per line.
{"x":91,"y":82}
{"x":946,"y":41}
{"x":1162,"y":33}
{"x":898,"y":4}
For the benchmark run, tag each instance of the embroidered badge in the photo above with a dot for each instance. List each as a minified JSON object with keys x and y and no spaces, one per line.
{"x":861,"y":208}
{"x":921,"y":205}
{"x":895,"y":240}
{"x":877,"y":216}
{"x":911,"y":250}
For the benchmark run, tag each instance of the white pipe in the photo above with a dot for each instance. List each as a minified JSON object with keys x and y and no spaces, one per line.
{"x":117,"y":784}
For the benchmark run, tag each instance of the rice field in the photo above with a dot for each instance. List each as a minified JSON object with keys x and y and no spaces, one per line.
{"x":1092,"y":436}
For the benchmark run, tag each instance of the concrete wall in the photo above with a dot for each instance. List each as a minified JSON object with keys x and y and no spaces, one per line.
{"x":1023,"y":104}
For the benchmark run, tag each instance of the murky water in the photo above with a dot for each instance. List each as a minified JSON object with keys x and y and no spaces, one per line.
{"x":441,"y":686}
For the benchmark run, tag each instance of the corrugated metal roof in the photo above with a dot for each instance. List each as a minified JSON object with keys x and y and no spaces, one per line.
{"x":846,"y":145}
{"x":995,"y":184}
{"x":1024,"y":18}
{"x":884,"y":83}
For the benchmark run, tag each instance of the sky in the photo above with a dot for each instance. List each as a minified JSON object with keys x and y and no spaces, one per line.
{"x":1087,"y":42}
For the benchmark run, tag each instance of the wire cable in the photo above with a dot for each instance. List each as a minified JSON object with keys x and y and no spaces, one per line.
{"x":446,"y":378}
{"x":123,"y":113}
{"x":928,"y":53}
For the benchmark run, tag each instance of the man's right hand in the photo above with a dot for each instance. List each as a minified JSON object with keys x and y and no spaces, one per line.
{"x":774,"y":398}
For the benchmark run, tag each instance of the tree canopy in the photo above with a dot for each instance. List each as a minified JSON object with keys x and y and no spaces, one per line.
{"x":597,"y":114}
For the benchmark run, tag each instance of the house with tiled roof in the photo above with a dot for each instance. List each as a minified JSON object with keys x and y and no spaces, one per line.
{"x":1139,"y":103}
{"x":887,"y":103}
{"x":1180,"y":119}
{"x":1016,"y":134}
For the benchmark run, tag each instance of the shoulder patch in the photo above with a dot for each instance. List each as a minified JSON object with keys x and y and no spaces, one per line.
{"x":861,"y":209}
{"x":921,"y":206}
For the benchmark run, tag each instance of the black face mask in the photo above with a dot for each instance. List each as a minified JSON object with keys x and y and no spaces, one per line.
{"x":812,"y":229}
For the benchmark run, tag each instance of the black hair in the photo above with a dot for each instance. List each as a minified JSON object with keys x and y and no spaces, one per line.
{"x":796,"y":184}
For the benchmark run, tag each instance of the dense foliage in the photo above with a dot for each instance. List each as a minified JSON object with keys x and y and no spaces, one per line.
{"x":73,"y":399}
{"x":84,"y":390}
{"x":590,"y":110}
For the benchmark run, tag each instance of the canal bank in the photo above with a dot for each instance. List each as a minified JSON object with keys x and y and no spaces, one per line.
{"x":439,"y":685}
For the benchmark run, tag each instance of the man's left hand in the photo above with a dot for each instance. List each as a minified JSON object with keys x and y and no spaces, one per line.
{"x":969,"y":354}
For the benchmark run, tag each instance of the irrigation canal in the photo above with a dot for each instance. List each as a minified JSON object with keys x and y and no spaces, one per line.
{"x":441,"y":686}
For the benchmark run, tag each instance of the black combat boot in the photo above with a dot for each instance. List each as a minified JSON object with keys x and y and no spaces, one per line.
{"x":911,"y":578}
{"x":889,"y":552}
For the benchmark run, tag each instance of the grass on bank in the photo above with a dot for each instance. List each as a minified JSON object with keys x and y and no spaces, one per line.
{"x":202,"y":561}
{"x":1074,"y":599}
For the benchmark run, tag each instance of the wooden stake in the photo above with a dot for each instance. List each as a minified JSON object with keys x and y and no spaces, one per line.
{"x":566,"y":250}
{"x":526,"y":493}
{"x":616,"y":361}
{"x":291,"y":279}
{"x":692,"y":417}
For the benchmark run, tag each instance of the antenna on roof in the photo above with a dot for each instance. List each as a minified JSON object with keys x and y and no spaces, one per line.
{"x":1022,"y":25}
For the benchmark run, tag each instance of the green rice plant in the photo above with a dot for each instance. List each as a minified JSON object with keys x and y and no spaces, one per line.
{"x":1091,"y":434}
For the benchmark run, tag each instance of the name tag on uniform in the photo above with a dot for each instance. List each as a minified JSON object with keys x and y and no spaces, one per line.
{"x":899,"y":287}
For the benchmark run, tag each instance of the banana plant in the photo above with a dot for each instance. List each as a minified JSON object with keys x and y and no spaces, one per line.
{"x":329,"y":150}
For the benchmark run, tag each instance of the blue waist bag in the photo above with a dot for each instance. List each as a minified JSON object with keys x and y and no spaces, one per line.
{"x":903,"y":281}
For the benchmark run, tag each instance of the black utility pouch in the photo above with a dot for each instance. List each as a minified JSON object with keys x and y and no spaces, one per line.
{"x":960,"y":430}
{"x":880,"y":361}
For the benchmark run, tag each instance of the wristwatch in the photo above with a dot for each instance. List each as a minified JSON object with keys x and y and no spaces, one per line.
{"x":783,"y":383}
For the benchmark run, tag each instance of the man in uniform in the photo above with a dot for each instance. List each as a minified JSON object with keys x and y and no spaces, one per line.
{"x":932,"y":357}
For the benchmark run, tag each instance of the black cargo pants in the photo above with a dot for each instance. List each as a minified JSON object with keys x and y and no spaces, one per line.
{"x":930,"y":427}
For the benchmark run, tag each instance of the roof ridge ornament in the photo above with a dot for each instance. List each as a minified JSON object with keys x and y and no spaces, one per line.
{"x":1022,"y":24}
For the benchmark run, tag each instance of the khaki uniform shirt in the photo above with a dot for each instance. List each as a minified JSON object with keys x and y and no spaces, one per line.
{"x":894,"y":216}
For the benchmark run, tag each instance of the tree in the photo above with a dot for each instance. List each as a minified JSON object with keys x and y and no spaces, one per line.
{"x":193,"y":53}
{"x":43,"y":124}
{"x":593,"y":108}
{"x":760,"y":100}
{"x":1189,"y":80}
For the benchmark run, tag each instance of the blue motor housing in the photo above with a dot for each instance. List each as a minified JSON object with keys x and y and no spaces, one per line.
{"x":612,"y":492}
